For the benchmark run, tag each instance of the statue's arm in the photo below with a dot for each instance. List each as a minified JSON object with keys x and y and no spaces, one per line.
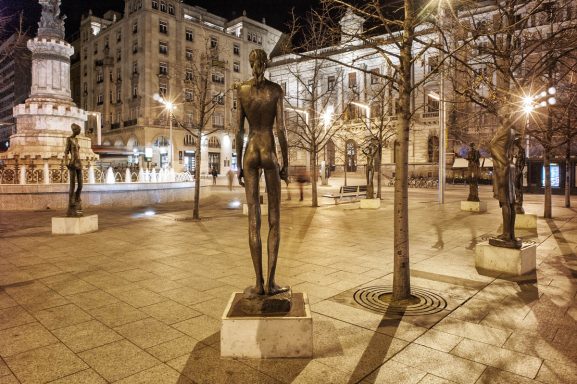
{"x":240,"y":117}
{"x":67,"y":150}
{"x":281,"y":134}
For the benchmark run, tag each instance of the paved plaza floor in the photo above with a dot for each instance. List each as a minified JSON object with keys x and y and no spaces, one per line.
{"x":140,"y":300}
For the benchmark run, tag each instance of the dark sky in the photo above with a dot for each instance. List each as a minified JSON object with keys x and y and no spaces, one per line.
{"x":276,"y":12}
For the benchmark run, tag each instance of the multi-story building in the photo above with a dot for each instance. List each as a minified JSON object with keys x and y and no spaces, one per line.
{"x":15,"y":81}
{"x":155,"y":48}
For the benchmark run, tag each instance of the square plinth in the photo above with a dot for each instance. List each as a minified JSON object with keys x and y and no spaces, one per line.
{"x":526,"y":221}
{"x":74,"y":225}
{"x":474,"y":206}
{"x":263,"y":209}
{"x":370,"y":203}
{"x":267,"y":336}
{"x":506,"y":260}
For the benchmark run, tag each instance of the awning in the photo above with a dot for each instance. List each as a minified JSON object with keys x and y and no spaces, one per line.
{"x":463,"y":163}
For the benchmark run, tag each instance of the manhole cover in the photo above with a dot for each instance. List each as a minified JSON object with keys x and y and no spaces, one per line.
{"x":379,"y":299}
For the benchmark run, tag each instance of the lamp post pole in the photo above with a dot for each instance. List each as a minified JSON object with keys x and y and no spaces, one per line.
{"x":442,"y":115}
{"x":170,"y":138}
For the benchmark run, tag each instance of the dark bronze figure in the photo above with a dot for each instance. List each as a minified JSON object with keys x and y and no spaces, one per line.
{"x":74,"y":165}
{"x":504,"y":185}
{"x":261,"y":103}
{"x":520,"y":160}
{"x":473,"y":171}
{"x":371,"y":151}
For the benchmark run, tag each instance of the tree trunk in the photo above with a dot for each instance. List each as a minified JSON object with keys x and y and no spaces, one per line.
{"x":378,"y":169}
{"x":568,"y":175}
{"x":402,"y":276}
{"x":197,"y":163}
{"x":314,"y":177}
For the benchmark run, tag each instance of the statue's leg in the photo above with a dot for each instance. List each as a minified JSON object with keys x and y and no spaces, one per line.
{"x":72,"y":181}
{"x":273,"y":193}
{"x":251,"y":179}
{"x":79,"y":183}
{"x":512,"y":217}
{"x":507,"y":229}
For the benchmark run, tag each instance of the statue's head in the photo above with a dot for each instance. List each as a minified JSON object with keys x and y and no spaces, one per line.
{"x":258,"y":59}
{"x":75,"y":129}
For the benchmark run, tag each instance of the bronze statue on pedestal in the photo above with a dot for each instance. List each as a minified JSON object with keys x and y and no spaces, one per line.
{"x":520,"y":160}
{"x":473,"y":171}
{"x":261,"y":104}
{"x":504,"y":185}
{"x":371,"y":152}
{"x":74,"y":165}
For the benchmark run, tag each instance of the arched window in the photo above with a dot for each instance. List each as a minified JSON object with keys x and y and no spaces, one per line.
{"x":161,"y":141}
{"x":351,"y":155}
{"x":189,"y":140}
{"x":213,"y":142}
{"x":132,"y":143}
{"x":118,"y":143}
{"x":433,"y":149}
{"x":331,"y":157}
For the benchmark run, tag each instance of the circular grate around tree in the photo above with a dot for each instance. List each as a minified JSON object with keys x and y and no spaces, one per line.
{"x":379,"y":299}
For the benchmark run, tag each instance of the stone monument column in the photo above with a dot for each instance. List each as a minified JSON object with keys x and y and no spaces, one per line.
{"x":43,"y":122}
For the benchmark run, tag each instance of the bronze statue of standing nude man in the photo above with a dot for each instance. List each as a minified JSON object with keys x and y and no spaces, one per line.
{"x":261,"y":103}
{"x":74,"y":165}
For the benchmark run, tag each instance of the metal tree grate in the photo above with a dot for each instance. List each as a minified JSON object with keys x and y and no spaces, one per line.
{"x":379,"y":299}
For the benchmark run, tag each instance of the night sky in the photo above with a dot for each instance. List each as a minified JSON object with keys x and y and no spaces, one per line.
{"x":276,"y":12}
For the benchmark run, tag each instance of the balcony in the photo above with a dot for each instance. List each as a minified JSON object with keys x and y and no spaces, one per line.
{"x":130,"y":123}
{"x":114,"y":125}
{"x":430,"y":115}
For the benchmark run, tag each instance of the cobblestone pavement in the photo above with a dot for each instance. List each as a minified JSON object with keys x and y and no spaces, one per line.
{"x":140,"y":300}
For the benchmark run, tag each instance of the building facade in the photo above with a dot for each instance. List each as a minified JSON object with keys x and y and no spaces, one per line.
{"x":15,"y":81}
{"x":155,"y":48}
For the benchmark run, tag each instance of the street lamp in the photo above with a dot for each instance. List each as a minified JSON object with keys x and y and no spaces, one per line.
{"x":303,"y":111}
{"x":169,"y":108}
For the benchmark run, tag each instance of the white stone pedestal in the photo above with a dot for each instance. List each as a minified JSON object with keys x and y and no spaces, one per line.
{"x":370,"y":203}
{"x":474,"y":206}
{"x":273,"y":336}
{"x":526,"y":221}
{"x":263,"y":209}
{"x":506,"y":260}
{"x":74,"y":225}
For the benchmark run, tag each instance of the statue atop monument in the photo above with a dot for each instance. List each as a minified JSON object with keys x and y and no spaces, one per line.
{"x":51,"y":23}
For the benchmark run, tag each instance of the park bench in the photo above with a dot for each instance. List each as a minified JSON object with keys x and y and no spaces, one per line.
{"x":348,"y":191}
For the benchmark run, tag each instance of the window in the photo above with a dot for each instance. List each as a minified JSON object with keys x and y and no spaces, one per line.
{"x":85,"y":53}
{"x":189,"y":35}
{"x":135,"y":46}
{"x":85,"y":87}
{"x":118,"y":94}
{"x":375,"y":79}
{"x":163,"y":27}
{"x":283,"y":86}
{"x":331,"y":83}
{"x":189,"y":54}
{"x":218,"y":120}
{"x":170,"y":9}
{"x":100,"y":99}
{"x":432,"y":104}
{"x":85,"y":70}
{"x":188,"y":76}
{"x":135,"y":91}
{"x":433,"y":64}
{"x":154,"y":4}
{"x":352,"y":79}
{"x":110,"y":76}
{"x":135,"y":27}
{"x":95,"y":48}
{"x":118,"y":35}
{"x":234,"y":103}
{"x":134,"y":67}
{"x":162,"y":89}
{"x":163,"y":68}
{"x":255,"y":38}
{"x":118,"y":54}
{"x":163,"y":47}
{"x":188,"y":95}
{"x":236,"y":66}
{"x":218,"y":78}
{"x":118,"y":74}
{"x":433,"y":149}
{"x":163,"y":6}
{"x":213,"y":142}
{"x":189,"y":140}
{"x":213,"y":42}
{"x":99,"y":77}
{"x":236,"y":49}
{"x":110,"y":97}
{"x":218,"y":99}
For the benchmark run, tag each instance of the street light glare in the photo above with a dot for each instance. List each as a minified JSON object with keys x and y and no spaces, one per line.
{"x":328,"y":115}
{"x":169,"y":106}
{"x":552,"y":90}
{"x":552,"y":101}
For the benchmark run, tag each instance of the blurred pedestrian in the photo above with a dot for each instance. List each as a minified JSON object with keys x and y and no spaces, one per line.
{"x":214,"y":174}
{"x":230,"y":177}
